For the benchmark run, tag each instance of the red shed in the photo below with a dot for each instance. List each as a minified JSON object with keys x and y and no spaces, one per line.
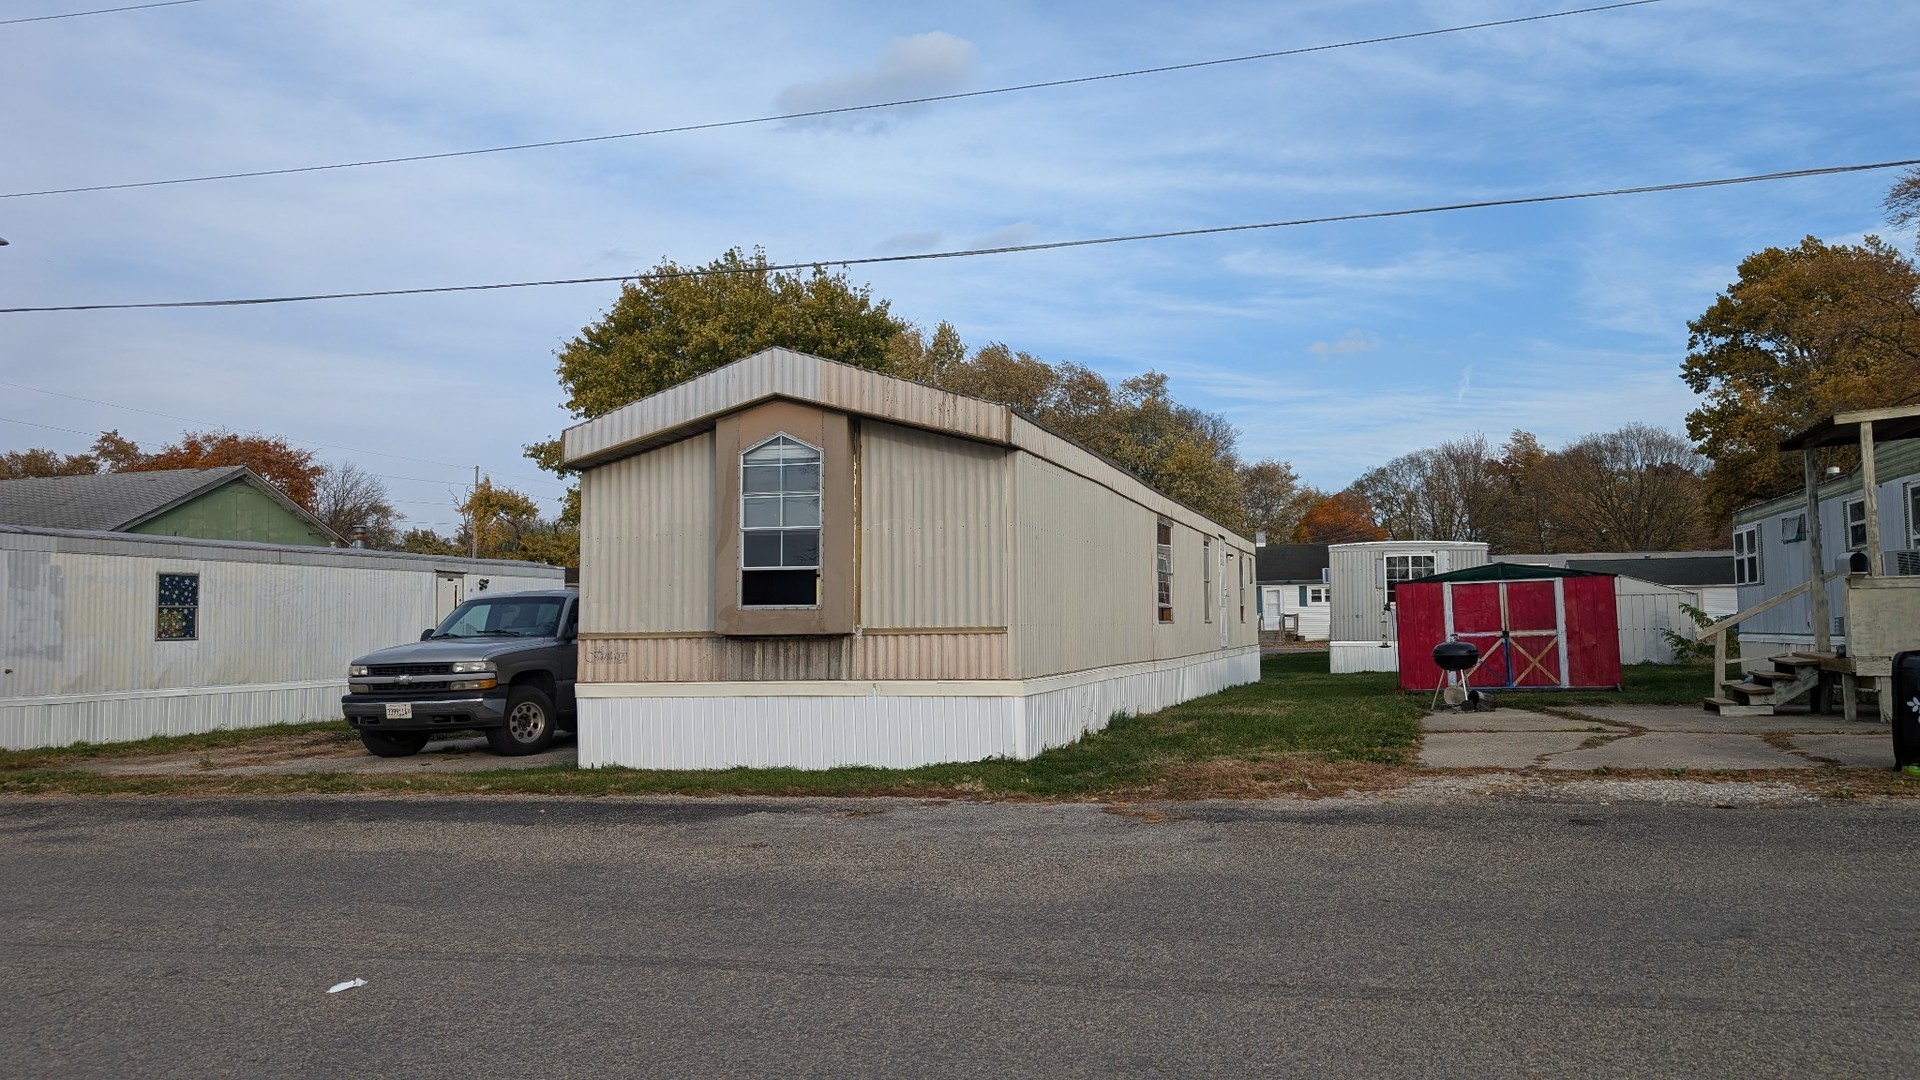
{"x":1537,"y":627}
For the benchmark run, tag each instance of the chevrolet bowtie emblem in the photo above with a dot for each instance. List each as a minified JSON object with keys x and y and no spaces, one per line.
{"x":403,"y":678}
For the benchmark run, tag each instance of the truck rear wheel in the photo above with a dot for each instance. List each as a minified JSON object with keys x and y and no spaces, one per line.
{"x":393,"y":743}
{"x":529,"y":726}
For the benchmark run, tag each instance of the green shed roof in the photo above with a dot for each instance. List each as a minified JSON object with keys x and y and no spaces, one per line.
{"x":1506,"y":571}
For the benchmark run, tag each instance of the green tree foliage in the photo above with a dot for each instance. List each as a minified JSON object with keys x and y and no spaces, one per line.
{"x":1276,"y":500}
{"x":1189,"y":454}
{"x":679,"y":322}
{"x":508,"y":526}
{"x":1805,"y":332}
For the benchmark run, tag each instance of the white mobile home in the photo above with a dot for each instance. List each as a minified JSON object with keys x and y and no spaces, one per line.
{"x":1772,"y":539}
{"x":794,"y":562}
{"x":1295,"y":594}
{"x":1365,"y":577}
{"x":107,"y":637}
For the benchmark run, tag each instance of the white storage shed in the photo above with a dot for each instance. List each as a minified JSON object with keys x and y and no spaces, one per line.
{"x":108,"y":637}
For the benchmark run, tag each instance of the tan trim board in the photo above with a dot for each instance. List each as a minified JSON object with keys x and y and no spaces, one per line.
{"x":877,"y":631}
{"x":646,"y":634}
{"x":900,"y":688}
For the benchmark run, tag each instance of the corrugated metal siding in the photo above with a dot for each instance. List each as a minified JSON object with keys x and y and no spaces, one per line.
{"x":646,"y":541}
{"x":1084,"y":573}
{"x":1358,"y":611}
{"x":933,"y":521}
{"x":797,"y":730}
{"x":78,"y":628}
{"x":792,"y":731}
{"x":866,"y":657}
{"x":783,"y":373}
{"x":1069,"y":455}
{"x":1644,"y":609}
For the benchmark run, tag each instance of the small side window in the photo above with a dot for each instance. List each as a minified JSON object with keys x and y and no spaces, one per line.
{"x":178,"y":615}
{"x":1163,"y":570}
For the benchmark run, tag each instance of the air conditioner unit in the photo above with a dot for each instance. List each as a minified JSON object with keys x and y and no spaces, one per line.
{"x":1904,"y":563}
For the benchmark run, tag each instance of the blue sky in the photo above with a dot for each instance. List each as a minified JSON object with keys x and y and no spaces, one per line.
{"x":1335,"y":346}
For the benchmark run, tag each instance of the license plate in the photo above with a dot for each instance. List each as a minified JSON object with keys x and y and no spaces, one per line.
{"x":401,"y":711}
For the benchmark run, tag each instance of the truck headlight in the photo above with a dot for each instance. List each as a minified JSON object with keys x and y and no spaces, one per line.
{"x":356,"y":671}
{"x":473,"y":667}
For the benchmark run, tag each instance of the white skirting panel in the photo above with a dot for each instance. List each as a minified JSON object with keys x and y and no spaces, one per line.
{"x":26,"y":723}
{"x":1347,"y":657}
{"x":896,"y":725}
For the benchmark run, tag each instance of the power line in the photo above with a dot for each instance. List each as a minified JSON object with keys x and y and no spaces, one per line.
{"x":224,"y":427}
{"x":96,"y":11}
{"x":838,"y":111}
{"x":1055,"y":245}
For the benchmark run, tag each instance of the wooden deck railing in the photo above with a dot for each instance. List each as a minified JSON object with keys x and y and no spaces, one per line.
{"x":1718,"y":631}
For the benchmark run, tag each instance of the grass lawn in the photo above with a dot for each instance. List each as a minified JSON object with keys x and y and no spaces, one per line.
{"x":1640,"y":684}
{"x":1298,"y":729}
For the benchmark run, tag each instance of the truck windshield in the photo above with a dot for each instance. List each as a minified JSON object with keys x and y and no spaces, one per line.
{"x":503,"y":616}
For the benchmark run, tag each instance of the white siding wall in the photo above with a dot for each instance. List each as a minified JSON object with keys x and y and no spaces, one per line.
{"x":1644,"y":609}
{"x":80,"y":659}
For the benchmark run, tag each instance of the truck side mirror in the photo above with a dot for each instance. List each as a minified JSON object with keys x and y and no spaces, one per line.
{"x":427,"y":633}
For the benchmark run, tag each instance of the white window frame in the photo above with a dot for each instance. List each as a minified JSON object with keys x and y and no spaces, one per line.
{"x":1847,"y":521}
{"x":1319,"y":594}
{"x":1748,"y":566}
{"x":1912,"y":504}
{"x":1206,"y":579}
{"x":1388,"y":580}
{"x":1163,"y":571}
{"x":819,"y":528}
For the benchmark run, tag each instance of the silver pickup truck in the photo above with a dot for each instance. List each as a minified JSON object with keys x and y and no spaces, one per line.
{"x":502,"y":663}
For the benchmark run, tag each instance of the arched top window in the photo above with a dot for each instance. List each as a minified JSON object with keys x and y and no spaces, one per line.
{"x":780,"y":524}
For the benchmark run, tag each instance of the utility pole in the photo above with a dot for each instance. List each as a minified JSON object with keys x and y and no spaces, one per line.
{"x":473,"y":515}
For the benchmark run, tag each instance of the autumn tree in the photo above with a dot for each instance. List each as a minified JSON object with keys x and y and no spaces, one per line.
{"x":353,"y":502}
{"x":1435,"y":493}
{"x":1341,"y":518}
{"x":1275,"y":498}
{"x":1636,"y":489}
{"x":1805,"y":332}
{"x":22,"y":464}
{"x":292,"y":470}
{"x":1520,"y":507}
{"x":1903,"y":202}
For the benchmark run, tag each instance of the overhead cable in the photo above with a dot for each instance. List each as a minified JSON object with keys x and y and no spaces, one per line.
{"x":838,"y":111}
{"x":1483,"y":204}
{"x":96,"y":11}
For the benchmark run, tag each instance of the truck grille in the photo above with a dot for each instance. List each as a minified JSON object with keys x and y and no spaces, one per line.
{"x":410,"y":669}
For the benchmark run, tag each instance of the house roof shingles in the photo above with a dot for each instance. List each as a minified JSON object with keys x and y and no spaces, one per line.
{"x":105,"y":502}
{"x":1289,"y":562}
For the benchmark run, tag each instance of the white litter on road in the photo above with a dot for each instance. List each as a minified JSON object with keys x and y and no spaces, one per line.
{"x":348,"y":985}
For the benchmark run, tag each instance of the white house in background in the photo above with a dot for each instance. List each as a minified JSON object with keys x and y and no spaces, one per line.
{"x":1706,"y":577}
{"x":1364,"y":577}
{"x":108,"y":637}
{"x":1295,"y":593}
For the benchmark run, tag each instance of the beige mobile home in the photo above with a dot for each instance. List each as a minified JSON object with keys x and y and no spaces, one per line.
{"x":791,"y":561}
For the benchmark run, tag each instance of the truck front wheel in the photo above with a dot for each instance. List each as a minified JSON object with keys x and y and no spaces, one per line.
{"x":393,"y":744}
{"x":529,"y":726}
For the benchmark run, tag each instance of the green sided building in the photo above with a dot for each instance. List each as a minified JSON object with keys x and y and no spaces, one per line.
{"x":231,"y":503}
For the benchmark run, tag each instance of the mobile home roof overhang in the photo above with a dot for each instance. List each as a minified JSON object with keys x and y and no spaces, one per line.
{"x":697,"y":405}
{"x":1843,"y":429}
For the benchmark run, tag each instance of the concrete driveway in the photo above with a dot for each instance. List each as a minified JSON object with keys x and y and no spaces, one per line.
{"x":1650,"y":737}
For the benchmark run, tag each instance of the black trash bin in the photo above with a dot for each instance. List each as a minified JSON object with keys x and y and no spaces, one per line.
{"x":1904,"y":709}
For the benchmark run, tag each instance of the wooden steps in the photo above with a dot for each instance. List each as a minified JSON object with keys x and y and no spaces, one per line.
{"x":1793,"y":677}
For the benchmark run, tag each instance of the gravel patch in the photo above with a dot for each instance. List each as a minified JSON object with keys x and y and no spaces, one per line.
{"x":1676,"y":792}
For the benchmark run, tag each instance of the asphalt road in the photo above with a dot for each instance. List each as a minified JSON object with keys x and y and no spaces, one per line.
{"x":684,"y":938}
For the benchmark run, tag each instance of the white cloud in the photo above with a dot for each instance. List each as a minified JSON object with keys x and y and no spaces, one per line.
{"x":1354,"y":341}
{"x":924,"y":65}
